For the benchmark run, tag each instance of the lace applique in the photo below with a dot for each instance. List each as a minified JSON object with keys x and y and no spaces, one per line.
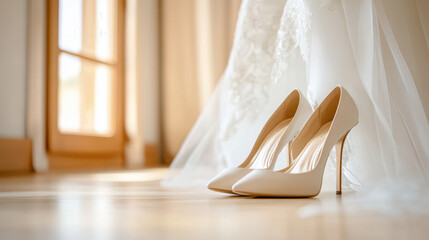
{"x":293,"y":31}
{"x":251,"y":61}
{"x":330,"y":3}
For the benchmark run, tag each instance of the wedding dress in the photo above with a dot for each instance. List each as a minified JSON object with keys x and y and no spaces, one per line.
{"x":377,"y":49}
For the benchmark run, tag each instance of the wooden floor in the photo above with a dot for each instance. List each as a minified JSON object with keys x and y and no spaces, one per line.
{"x":132,"y":205}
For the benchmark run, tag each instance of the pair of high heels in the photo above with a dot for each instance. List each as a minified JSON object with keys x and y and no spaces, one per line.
{"x":309,"y":136}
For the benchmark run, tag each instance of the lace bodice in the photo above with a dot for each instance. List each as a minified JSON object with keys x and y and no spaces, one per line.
{"x":264,"y":39}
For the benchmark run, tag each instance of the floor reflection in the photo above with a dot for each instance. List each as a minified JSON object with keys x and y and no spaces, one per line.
{"x":133,"y":205}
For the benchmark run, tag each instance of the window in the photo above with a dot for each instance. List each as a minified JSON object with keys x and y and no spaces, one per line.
{"x":85,"y":82}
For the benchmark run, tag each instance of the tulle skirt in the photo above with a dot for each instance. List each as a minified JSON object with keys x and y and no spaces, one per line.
{"x":377,"y":49}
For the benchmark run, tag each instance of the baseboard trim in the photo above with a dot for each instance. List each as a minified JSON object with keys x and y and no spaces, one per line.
{"x":84,"y":163}
{"x":15,"y":155}
{"x":151,"y":156}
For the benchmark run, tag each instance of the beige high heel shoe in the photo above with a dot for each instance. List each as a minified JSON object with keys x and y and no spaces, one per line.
{"x":279,"y":130}
{"x":327,"y":127}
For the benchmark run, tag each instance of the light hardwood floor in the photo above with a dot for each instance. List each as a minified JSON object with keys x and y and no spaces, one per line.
{"x":133,"y":205}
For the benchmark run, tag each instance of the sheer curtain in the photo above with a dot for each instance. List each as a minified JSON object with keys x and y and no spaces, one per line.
{"x":195,"y":43}
{"x":377,"y":49}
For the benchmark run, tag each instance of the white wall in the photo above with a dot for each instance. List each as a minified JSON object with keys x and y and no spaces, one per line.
{"x":13,"y":28}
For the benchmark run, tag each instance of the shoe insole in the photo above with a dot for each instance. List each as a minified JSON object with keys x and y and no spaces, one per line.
{"x":267,"y":150}
{"x":309,"y":157}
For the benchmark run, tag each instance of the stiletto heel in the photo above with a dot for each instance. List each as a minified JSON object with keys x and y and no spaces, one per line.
{"x":279,"y":130}
{"x":339,"y":157}
{"x":327,"y":127}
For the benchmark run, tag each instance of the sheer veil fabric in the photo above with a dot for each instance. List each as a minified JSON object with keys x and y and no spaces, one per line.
{"x":376,"y":49}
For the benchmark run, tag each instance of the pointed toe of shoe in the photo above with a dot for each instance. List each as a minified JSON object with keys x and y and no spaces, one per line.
{"x":224,"y":181}
{"x":253,"y":184}
{"x":243,"y":188}
{"x":265,"y":183}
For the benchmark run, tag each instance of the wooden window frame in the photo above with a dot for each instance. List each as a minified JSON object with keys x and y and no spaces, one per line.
{"x":67,"y":150}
